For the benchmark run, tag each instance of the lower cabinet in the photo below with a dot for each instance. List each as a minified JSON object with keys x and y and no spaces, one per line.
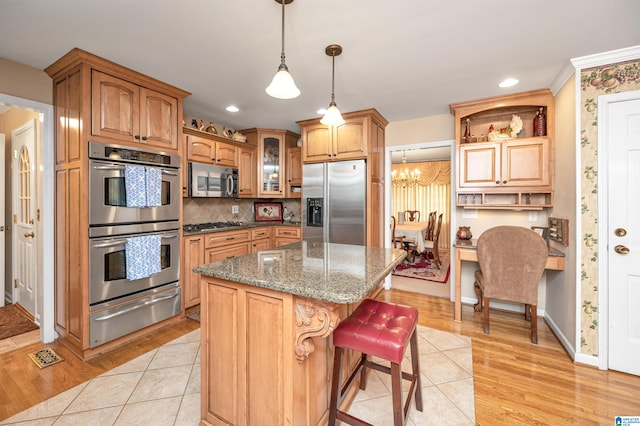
{"x":261,"y":239}
{"x":206,"y":248}
{"x":286,"y":235}
{"x":192,"y":256}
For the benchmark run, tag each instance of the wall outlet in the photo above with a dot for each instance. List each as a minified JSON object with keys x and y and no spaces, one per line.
{"x":235,"y":210}
{"x":533,"y":216}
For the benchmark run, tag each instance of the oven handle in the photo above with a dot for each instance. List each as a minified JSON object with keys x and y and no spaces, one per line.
{"x":138,"y":306}
{"x":121,"y":167}
{"x":119,"y":242}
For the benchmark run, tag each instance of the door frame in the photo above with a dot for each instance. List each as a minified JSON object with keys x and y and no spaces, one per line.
{"x":4,"y":232}
{"x":603,"y":220}
{"x":387,"y":199}
{"x":45,"y":226}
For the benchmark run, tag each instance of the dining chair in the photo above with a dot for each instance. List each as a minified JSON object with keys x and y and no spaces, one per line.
{"x":512,"y":260}
{"x":412,"y":215}
{"x":431,"y":225}
{"x":399,"y":242}
{"x":431,"y":245}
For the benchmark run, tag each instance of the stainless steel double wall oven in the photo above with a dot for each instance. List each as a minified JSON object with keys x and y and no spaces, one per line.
{"x":120,"y":303}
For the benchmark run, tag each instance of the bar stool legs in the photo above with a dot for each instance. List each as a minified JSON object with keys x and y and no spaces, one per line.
{"x":399,"y":410}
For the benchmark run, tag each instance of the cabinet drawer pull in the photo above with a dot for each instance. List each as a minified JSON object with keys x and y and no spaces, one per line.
{"x":231,"y":238}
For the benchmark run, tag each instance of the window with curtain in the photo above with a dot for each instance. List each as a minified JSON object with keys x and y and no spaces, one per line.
{"x":431,"y":192}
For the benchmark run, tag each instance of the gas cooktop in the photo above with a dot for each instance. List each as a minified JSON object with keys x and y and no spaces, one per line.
{"x":209,"y":225}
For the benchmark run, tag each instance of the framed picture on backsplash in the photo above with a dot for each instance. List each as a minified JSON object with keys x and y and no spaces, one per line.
{"x":268,"y":212}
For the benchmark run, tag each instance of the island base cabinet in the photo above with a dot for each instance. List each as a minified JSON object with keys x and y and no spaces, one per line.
{"x":266,"y":356}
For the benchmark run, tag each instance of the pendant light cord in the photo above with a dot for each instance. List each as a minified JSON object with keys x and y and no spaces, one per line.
{"x":282,"y":35}
{"x":333,"y":78}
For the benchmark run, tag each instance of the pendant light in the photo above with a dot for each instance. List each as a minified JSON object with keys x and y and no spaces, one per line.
{"x":333,"y":117}
{"x":282,"y":86}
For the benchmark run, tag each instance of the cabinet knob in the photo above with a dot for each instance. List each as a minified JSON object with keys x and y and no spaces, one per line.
{"x":137,"y":137}
{"x":329,"y":155}
{"x":504,"y":181}
{"x":144,"y":138}
{"x":497,"y":182}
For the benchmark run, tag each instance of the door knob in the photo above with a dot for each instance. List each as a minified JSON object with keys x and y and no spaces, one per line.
{"x":620,"y":232}
{"x":621,"y":249}
{"x":29,"y":234}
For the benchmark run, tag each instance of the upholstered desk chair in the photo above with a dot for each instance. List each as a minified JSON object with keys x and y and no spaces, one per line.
{"x":412,"y":215}
{"x":512,"y":260}
{"x":431,"y":245}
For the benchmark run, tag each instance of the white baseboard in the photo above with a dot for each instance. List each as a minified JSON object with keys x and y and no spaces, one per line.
{"x":561,"y":337}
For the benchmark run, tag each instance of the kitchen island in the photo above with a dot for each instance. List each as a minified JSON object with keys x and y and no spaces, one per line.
{"x":266,"y":319}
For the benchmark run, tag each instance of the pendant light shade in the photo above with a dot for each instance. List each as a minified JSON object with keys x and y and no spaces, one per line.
{"x":333,"y":117}
{"x":282,"y":86}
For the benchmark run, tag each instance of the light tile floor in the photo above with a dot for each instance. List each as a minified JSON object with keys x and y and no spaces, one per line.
{"x":162,"y":387}
{"x":15,"y":342}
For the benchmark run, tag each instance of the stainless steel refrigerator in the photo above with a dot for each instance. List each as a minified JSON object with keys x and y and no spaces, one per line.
{"x":334,"y":203}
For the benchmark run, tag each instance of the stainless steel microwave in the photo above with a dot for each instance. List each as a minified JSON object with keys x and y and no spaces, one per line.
{"x":212,"y":181}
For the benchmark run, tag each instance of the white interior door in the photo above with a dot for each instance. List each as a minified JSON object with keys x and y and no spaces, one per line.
{"x":24,"y":207}
{"x":2,"y":223}
{"x":624,"y":235}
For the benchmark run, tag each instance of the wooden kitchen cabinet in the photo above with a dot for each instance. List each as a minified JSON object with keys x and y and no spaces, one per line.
{"x":287,"y":235}
{"x":261,"y":239}
{"x":116,"y":104}
{"x":294,"y":173}
{"x":192,"y":256}
{"x":514,"y":172}
{"x":271,"y":152}
{"x":209,"y":151}
{"x":127,"y":111}
{"x":361,"y":137}
{"x":247,"y":179}
{"x":227,"y":244}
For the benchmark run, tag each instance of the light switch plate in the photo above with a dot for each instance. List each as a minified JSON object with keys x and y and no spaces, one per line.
{"x":469,"y":213}
{"x":533,"y":216}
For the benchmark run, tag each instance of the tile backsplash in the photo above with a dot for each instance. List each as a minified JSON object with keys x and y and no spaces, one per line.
{"x":202,"y":210}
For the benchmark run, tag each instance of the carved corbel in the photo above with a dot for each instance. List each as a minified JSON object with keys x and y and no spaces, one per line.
{"x":313,"y":318}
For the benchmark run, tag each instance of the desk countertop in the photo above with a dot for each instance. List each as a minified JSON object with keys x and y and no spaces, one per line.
{"x":473,"y":244}
{"x":339,"y":273}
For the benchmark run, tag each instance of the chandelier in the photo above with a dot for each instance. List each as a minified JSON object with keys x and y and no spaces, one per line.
{"x":405,"y":179}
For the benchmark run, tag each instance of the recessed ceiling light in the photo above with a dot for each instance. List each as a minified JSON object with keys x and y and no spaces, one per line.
{"x":321,"y":111}
{"x":509,"y":82}
{"x":233,"y":108}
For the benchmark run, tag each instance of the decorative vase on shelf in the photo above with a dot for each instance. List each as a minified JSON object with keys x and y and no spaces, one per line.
{"x":464,"y":233}
{"x":540,"y":123}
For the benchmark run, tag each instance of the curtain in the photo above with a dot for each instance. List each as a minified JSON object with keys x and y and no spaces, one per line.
{"x":432,"y":192}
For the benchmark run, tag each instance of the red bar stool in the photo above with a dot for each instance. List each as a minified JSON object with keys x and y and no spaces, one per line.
{"x":383,"y":330}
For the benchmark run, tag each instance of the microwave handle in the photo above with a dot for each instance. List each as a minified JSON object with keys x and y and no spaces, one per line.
{"x":230,"y":187}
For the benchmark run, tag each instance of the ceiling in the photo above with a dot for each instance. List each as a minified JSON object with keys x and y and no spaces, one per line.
{"x":407,"y":59}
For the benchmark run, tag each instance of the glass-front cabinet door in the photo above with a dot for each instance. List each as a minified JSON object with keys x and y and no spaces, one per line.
{"x":271,"y":170}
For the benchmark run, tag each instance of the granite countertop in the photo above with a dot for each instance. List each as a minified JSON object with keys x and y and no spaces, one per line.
{"x":242,"y":226}
{"x":338,"y":273}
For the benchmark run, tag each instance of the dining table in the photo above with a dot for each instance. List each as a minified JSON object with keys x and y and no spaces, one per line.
{"x":413,"y":231}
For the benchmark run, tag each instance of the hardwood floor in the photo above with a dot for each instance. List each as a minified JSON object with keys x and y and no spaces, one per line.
{"x":516,"y":383}
{"x":23,"y":384}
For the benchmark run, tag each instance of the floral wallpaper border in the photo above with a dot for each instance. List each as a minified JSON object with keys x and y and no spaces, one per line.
{"x":602,"y":80}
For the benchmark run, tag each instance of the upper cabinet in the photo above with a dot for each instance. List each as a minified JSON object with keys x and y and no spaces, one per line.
{"x":132,"y":113}
{"x":345,"y":142}
{"x":121,"y":105}
{"x":207,"y":150}
{"x":247,"y":180}
{"x":271,"y":152}
{"x":502,"y":161}
{"x":294,"y":173}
